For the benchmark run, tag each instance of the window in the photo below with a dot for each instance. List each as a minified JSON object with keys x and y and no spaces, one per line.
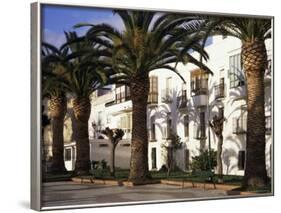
{"x":235,"y":71}
{"x":240,"y":123}
{"x":152,"y":126}
{"x":241,"y":160}
{"x":182,"y":99}
{"x":122,"y":93}
{"x":153,"y":158}
{"x":199,"y":83}
{"x":67,"y":154}
{"x":221,"y":112}
{"x":186,"y":125}
{"x":153,"y":90}
{"x":167,"y":92}
{"x":125,"y":123}
{"x":200,"y":129}
{"x":219,"y":89}
{"x":186,"y":154}
{"x":268,"y":125}
{"x":202,"y":124}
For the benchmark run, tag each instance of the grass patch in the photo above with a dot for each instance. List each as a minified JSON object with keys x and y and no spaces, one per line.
{"x":123,"y":174}
{"x":120,"y":174}
{"x":197,"y":177}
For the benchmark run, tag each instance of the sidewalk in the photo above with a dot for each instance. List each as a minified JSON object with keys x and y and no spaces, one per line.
{"x":70,"y":193}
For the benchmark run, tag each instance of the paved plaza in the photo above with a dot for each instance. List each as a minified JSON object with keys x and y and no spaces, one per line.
{"x":71,"y":193}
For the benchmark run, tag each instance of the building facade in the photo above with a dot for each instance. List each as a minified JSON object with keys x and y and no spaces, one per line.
{"x":184,"y":109}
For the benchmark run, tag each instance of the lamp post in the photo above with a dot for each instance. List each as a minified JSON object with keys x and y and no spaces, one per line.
{"x":209,"y":135}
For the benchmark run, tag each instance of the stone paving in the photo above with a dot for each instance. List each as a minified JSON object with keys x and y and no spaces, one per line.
{"x":70,"y":193}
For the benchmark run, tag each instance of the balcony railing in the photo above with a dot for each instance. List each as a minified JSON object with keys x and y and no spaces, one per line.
{"x":239,"y":125}
{"x":152,"y":98}
{"x":119,"y":98}
{"x":219,"y":91}
{"x":122,"y":97}
{"x":199,"y":87}
{"x":166,"y":95}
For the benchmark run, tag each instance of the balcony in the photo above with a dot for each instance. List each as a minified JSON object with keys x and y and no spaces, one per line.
{"x":122,"y":97}
{"x":199,"y":87}
{"x":219,"y":91}
{"x":119,"y":98}
{"x":166,"y":95}
{"x":239,"y":125}
{"x":199,"y":91}
{"x":152,"y":99}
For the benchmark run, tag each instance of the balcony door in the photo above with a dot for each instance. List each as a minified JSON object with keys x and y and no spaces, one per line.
{"x":153,"y":158}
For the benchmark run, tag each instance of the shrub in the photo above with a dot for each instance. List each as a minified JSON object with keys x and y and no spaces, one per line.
{"x":163,"y":168}
{"x":201,"y":162}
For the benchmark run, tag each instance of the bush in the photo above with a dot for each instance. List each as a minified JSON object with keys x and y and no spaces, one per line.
{"x":201,"y":162}
{"x":99,"y":165}
{"x":163,"y":168}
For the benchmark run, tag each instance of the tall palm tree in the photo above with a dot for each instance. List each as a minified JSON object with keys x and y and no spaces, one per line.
{"x":149,"y":41}
{"x":85,"y":74}
{"x":54,"y":61}
{"x":252,"y":32}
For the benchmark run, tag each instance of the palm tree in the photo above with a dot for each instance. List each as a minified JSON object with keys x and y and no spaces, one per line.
{"x":217,"y":126}
{"x":114,"y":136}
{"x":85,"y":74}
{"x":252,"y":32}
{"x":53,"y":65}
{"x":149,"y":41}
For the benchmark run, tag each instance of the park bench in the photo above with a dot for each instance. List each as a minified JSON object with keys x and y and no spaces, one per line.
{"x":208,"y":177}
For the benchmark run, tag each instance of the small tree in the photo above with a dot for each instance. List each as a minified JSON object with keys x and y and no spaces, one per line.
{"x":217,"y":126}
{"x":114,"y":136}
{"x":174,"y":145}
{"x":204,"y":161}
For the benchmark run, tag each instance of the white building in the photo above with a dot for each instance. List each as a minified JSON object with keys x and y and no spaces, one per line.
{"x":185,"y":109}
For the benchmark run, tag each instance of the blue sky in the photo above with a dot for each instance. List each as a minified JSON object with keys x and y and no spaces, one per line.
{"x":57,"y":19}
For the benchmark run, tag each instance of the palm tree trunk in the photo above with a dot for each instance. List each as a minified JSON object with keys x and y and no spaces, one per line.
{"x":82,"y":109}
{"x":219,"y":159}
{"x":139,"y":147}
{"x":112,"y":160}
{"x":57,"y":109}
{"x":254,"y":60}
{"x":169,"y":160}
